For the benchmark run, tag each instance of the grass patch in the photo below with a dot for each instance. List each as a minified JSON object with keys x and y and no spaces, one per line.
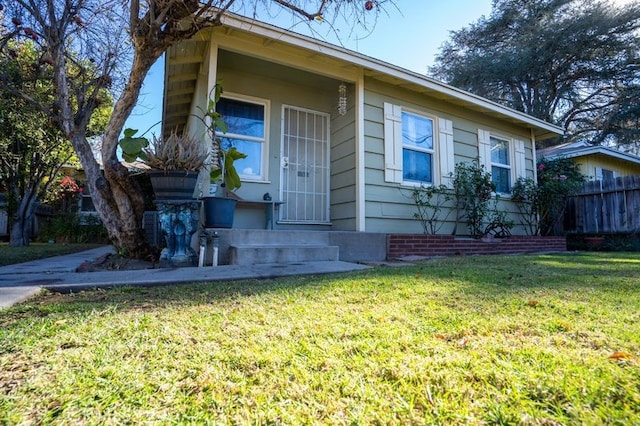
{"x":544,"y":339}
{"x":34,"y":251}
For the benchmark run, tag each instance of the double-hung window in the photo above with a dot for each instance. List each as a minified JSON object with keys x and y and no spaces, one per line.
{"x":504,"y":157}
{"x":417,"y":148}
{"x":247,"y":129}
{"x":501,"y":164}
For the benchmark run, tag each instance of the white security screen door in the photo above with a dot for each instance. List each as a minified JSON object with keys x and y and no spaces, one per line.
{"x":305,"y":166}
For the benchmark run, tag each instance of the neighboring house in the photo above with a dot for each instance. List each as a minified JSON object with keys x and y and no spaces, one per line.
{"x":340,"y":137}
{"x":596,"y":162}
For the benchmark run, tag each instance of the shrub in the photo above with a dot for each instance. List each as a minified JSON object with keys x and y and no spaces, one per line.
{"x":429,"y":201}
{"x":525,"y":195}
{"x":73,"y":228}
{"x":542,"y":206}
{"x":473,"y":190}
{"x":499,"y":224}
{"x":557,"y":180}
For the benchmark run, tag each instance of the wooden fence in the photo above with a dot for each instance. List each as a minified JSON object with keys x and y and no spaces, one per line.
{"x":608,"y":207}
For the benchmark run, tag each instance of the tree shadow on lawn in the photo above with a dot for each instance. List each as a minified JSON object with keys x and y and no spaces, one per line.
{"x":149,"y":297}
{"x":470,"y":275}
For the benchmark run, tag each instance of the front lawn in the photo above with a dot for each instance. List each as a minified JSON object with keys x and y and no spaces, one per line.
{"x":11,"y":255}
{"x":545,"y":339}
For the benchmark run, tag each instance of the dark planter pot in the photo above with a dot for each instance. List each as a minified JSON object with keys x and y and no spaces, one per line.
{"x":218,"y":212}
{"x":173,"y":185}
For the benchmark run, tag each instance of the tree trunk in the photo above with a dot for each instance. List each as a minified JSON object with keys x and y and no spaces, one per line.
{"x":118,"y":198}
{"x":19,"y":236}
{"x":21,"y":225}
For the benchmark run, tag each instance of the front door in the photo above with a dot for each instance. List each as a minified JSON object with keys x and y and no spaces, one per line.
{"x":305,"y":166}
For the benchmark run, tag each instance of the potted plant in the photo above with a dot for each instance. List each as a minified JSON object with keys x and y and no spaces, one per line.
{"x":173,"y":162}
{"x":219,"y":208}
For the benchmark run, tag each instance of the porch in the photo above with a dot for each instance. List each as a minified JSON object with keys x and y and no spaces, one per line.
{"x":260,"y":246}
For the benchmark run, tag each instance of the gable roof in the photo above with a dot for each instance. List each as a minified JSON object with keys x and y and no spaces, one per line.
{"x":581,"y":149}
{"x":183,"y":63}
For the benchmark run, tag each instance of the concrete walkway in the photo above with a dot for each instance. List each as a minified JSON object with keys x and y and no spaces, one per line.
{"x":21,"y":281}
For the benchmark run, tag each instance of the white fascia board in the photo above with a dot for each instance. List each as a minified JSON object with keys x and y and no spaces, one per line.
{"x":367,"y":62}
{"x":597,"y":150}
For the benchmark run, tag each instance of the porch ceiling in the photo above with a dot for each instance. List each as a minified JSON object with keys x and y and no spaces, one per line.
{"x":183,"y":63}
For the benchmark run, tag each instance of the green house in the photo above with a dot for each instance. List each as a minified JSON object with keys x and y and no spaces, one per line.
{"x":338,"y":137}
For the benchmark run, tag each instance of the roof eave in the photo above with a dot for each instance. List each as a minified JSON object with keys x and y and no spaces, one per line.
{"x":597,"y":150}
{"x":542,"y":129}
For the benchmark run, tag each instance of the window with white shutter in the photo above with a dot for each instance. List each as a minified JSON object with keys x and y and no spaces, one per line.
{"x":415,"y":151}
{"x":503,"y":157}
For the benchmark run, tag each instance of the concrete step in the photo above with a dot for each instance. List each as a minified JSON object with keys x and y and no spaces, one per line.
{"x":253,"y":254}
{"x":278,"y":237}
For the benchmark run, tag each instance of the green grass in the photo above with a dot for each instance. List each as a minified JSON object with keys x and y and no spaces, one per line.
{"x":12,"y":255}
{"x":465,"y":340}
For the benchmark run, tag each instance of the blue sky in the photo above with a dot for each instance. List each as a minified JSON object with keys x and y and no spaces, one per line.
{"x":409,"y":38}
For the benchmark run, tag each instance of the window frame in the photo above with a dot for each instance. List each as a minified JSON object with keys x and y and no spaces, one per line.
{"x":607,"y":175}
{"x":433,"y":151}
{"x":510,"y":156}
{"x":264,"y":152}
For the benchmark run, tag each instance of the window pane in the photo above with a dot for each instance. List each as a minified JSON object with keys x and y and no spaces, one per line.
{"x":250,"y":166}
{"x":499,"y":151}
{"x":242,"y":118}
{"x":416,"y":166}
{"x":607,"y":175}
{"x":417,"y":131}
{"x":500,"y":177}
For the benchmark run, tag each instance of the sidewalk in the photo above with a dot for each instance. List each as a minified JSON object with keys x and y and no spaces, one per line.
{"x":21,"y":281}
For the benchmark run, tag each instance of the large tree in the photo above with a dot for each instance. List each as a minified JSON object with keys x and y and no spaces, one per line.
{"x":33,"y":147}
{"x":575,"y":63}
{"x":89,"y":34}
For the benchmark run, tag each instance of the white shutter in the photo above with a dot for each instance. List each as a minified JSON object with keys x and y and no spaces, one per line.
{"x":520,"y":168}
{"x":484,"y":149}
{"x":445,"y":145}
{"x":392,"y":143}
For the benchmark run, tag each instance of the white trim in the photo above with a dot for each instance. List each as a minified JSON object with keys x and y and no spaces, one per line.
{"x":484,"y":149}
{"x":517,"y":165}
{"x":360,"y":156}
{"x":535,"y":157}
{"x":510,"y":158}
{"x":435,"y":162}
{"x":392,"y":143}
{"x":212,"y":76}
{"x":592,"y":150}
{"x":519,"y":156}
{"x":266,"y":104}
{"x":446,"y":151}
{"x":599,"y":173}
{"x":212,"y":72}
{"x":327,"y":155}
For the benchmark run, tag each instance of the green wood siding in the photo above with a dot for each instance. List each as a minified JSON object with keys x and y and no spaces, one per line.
{"x":343,"y":172}
{"x":388,"y":206}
